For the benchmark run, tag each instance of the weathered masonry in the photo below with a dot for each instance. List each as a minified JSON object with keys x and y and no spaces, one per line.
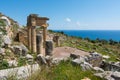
{"x":34,"y":20}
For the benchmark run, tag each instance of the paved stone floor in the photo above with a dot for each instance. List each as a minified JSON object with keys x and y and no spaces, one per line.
{"x":64,"y":52}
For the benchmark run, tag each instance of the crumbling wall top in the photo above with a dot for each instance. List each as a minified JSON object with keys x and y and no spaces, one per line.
{"x":36,"y":20}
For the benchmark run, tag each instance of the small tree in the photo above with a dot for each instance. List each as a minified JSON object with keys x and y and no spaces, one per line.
{"x":88,"y":39}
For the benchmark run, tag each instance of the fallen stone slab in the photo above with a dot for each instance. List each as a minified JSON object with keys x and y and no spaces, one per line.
{"x":105,"y":75}
{"x":97,"y":69}
{"x":106,"y":56}
{"x":41,"y":59}
{"x":57,"y":60}
{"x":74,"y":56}
{"x":109,"y":75}
{"x":78,"y":61}
{"x":28,"y":56}
{"x":81,"y":62}
{"x":116,"y":75}
{"x":86,"y":66}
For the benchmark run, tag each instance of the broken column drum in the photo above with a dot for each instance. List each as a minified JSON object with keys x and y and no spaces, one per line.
{"x":56,"y":40}
{"x":39,"y":43}
{"x":49,"y":47}
{"x":34,"y":20}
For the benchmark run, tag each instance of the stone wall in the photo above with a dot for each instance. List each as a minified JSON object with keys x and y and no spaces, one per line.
{"x":21,"y":36}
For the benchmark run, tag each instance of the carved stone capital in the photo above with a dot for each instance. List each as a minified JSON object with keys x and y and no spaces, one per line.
{"x":45,"y":25}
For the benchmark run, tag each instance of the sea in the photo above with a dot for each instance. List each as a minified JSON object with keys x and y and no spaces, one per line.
{"x":93,"y":34}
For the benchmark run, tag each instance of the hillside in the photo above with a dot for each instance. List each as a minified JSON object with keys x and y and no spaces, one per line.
{"x":63,"y":57}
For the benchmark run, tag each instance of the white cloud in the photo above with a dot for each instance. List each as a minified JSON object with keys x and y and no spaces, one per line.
{"x":68,"y":19}
{"x":78,"y":23}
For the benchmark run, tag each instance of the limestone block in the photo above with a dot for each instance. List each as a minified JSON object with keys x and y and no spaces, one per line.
{"x":7,"y":40}
{"x":41,"y":59}
{"x":12,"y":63}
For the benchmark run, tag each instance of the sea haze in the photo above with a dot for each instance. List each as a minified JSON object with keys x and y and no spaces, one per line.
{"x":93,"y":34}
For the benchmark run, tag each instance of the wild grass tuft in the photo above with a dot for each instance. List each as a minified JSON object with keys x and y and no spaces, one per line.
{"x":64,"y":71}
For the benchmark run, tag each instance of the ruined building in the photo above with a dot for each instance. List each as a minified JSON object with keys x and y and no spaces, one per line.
{"x":36,"y":40}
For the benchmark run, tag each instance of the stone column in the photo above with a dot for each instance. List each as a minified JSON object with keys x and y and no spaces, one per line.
{"x":48,"y":48}
{"x":44,"y":35}
{"x":29,"y":38}
{"x":39,"y":43}
{"x":33,"y":38}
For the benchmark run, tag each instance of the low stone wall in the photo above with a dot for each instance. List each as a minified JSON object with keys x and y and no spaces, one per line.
{"x":19,"y":72}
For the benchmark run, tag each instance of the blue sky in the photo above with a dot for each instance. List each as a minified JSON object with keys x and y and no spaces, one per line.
{"x":67,"y":14}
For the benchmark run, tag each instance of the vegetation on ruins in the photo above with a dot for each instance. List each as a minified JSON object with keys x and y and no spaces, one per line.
{"x":21,"y":62}
{"x":4,"y":64}
{"x":2,"y":30}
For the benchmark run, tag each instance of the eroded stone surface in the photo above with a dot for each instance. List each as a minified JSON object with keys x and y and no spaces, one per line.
{"x":109,"y":75}
{"x":20,"y":72}
{"x":48,"y":48}
{"x":41,"y":59}
{"x":7,"y":40}
{"x":20,"y":49}
{"x":12,"y":63}
{"x":2,"y":50}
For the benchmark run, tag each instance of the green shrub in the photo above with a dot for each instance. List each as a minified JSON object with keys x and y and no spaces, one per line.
{"x":21,"y":62}
{"x":2,"y":23}
{"x":4,"y":65}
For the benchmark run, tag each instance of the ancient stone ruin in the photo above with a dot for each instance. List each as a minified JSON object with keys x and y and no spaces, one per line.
{"x":36,"y":42}
{"x":56,"y":40}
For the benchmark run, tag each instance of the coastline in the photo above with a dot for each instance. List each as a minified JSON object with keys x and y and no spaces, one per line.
{"x":93,"y":34}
